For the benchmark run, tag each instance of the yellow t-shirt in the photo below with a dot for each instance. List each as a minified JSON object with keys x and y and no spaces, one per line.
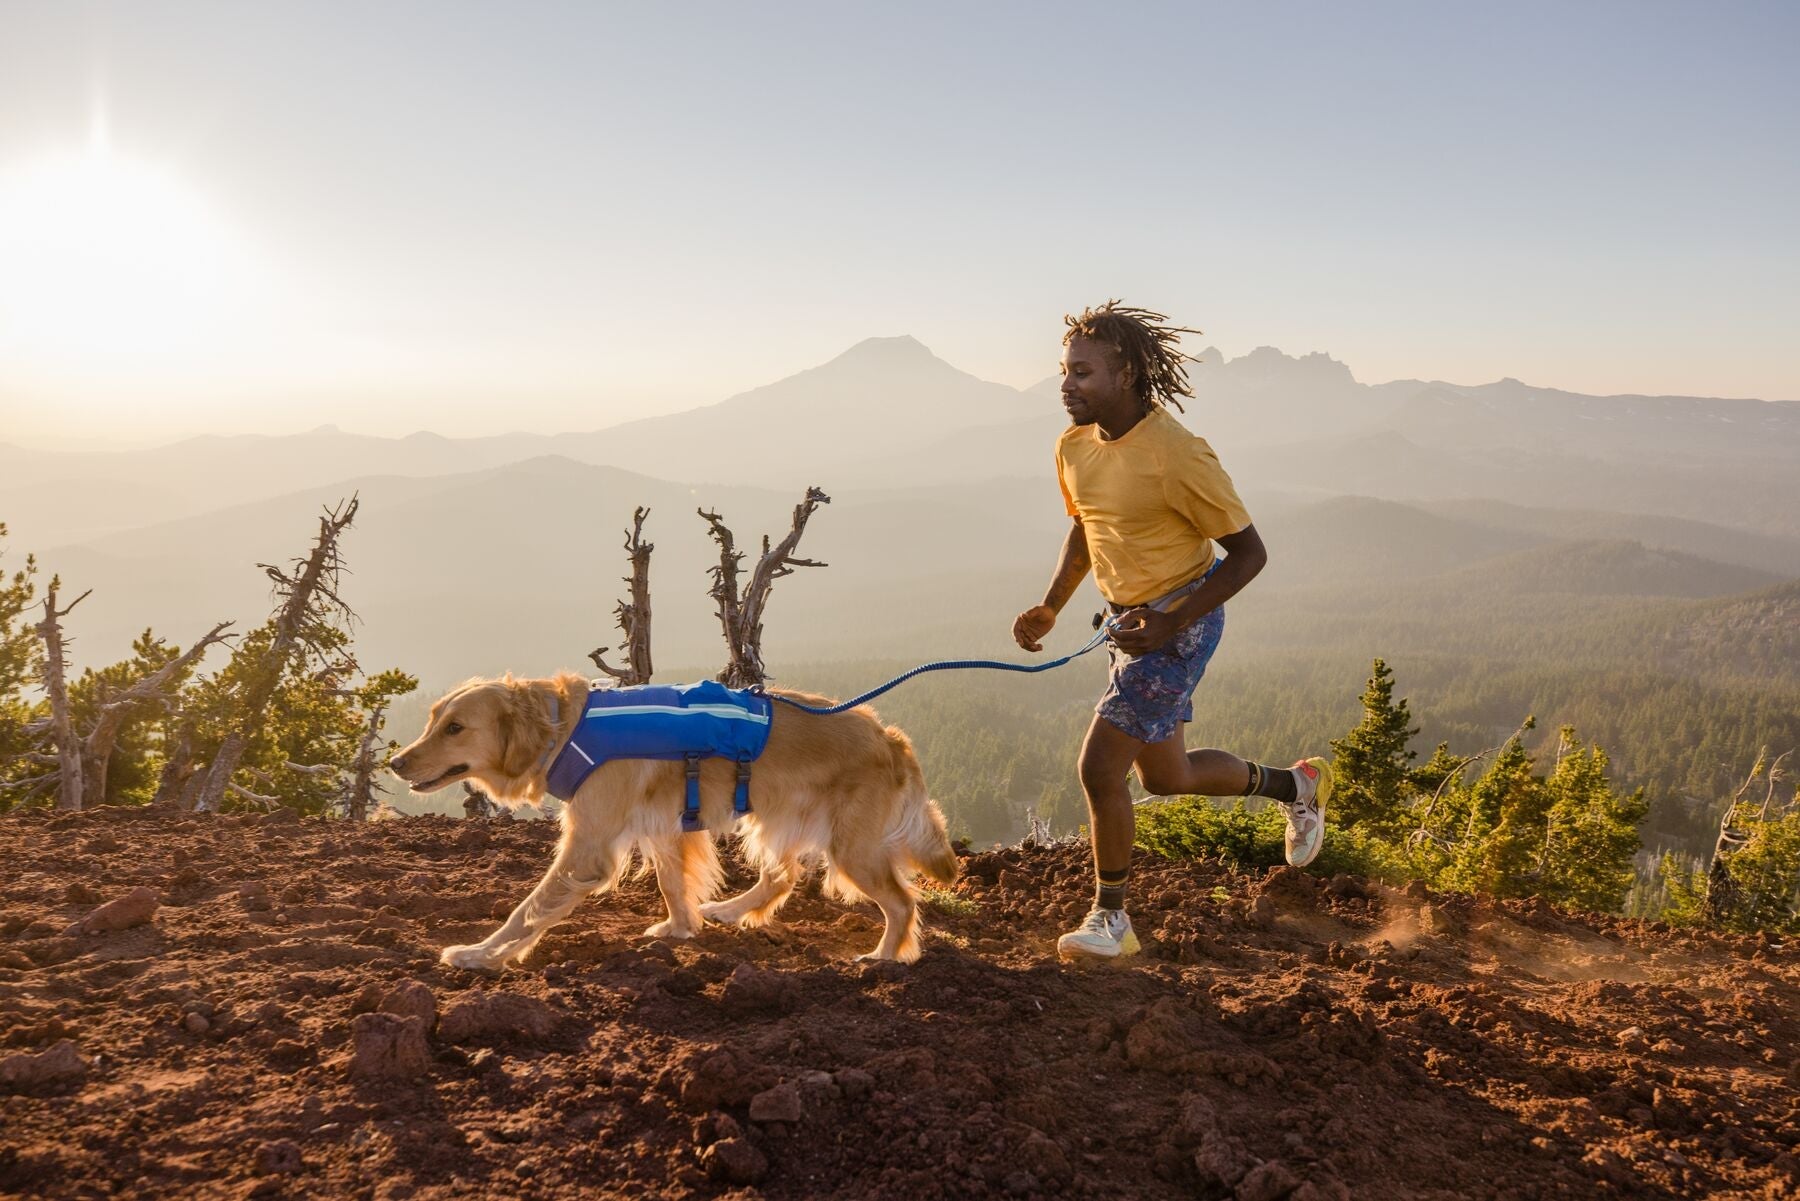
{"x":1150,"y":503}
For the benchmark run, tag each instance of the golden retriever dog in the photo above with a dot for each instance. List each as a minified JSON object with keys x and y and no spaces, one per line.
{"x":843,"y":786}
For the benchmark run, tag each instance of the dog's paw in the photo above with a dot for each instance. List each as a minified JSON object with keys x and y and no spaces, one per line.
{"x":474,"y":959}
{"x":724,"y":912}
{"x":668,"y":929}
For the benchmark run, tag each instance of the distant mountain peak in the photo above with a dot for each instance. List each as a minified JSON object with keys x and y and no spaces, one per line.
{"x":902,"y":349}
{"x":1267,"y":363}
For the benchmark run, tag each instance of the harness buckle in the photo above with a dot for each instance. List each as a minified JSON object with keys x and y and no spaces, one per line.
{"x":740,"y":799}
{"x":690,"y":813}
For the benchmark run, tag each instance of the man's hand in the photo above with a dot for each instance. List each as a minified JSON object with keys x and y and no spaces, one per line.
{"x":1030,"y":626}
{"x":1142,"y":630}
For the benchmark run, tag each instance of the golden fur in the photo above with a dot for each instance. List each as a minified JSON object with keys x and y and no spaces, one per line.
{"x":845,"y":787}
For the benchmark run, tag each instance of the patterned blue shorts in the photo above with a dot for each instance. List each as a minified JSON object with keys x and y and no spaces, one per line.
{"x":1148,"y":695}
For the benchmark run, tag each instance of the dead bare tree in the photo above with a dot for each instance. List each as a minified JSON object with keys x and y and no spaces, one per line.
{"x":741,"y":613}
{"x":82,"y":759}
{"x":62,"y":725}
{"x":633,"y":615}
{"x":1721,"y":890}
{"x":310,"y":606}
{"x":1723,"y":896}
{"x":178,"y":768}
{"x":361,"y":795}
{"x":97,"y":748}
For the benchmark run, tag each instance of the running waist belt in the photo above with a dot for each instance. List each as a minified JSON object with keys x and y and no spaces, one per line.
{"x":689,"y":722}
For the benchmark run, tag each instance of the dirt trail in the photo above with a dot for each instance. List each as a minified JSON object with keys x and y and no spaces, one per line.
{"x":1282,"y":1036}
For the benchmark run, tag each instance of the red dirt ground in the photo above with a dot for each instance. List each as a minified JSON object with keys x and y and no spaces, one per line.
{"x":1282,"y":1036}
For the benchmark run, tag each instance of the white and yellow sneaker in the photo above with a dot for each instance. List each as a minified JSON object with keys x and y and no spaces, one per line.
{"x":1103,"y":934}
{"x":1306,"y":812}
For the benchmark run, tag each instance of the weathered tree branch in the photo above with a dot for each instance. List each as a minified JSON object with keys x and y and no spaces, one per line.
{"x":362,"y":783}
{"x":312,"y":769}
{"x":97,"y":748}
{"x":633,"y":615}
{"x":242,"y":793}
{"x":68,"y":747}
{"x":1423,"y":833}
{"x":741,"y":615}
{"x":178,"y":769}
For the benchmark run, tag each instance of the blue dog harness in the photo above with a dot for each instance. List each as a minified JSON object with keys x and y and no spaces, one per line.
{"x":690,"y":722}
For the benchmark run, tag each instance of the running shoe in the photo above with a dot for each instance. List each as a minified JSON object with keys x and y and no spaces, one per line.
{"x":1306,"y":812}
{"x":1103,"y":934}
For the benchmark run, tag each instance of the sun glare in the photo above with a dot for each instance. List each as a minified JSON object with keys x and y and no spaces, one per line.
{"x":103,"y":256}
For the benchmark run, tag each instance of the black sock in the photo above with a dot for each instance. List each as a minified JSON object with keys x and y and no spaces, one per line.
{"x":1276,"y":783}
{"x":1109,"y":893}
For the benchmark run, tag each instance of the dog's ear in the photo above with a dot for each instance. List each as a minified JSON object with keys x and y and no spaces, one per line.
{"x":525,"y":728}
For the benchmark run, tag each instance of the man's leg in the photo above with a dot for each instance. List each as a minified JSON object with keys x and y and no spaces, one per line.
{"x":1167,"y":768}
{"x":1106,"y":756}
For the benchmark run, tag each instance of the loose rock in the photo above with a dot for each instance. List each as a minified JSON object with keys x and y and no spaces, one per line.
{"x":778,"y":1104}
{"x":735,"y":1160}
{"x":410,"y":998}
{"x":501,"y":1013}
{"x":1269,"y":1181}
{"x":280,"y":1156}
{"x":61,"y":1063}
{"x":752,"y":990}
{"x":388,"y":1047}
{"x":1040,"y":1156}
{"x":133,"y":909}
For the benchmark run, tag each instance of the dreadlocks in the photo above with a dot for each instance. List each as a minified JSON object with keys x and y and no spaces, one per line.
{"x":1144,"y":344}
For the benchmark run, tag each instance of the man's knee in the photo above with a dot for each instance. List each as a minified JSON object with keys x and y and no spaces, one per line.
{"x":1160,"y":781}
{"x":1105,"y":758}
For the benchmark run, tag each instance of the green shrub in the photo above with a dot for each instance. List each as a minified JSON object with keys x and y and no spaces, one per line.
{"x":1194,"y":828}
{"x":1243,"y":838}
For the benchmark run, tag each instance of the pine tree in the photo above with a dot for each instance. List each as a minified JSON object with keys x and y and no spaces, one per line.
{"x":1485,"y":831}
{"x":308,"y":732}
{"x":1753,"y":882}
{"x":20,"y":649}
{"x":1591,"y":831}
{"x":1370,"y":762}
{"x":1425,"y":779}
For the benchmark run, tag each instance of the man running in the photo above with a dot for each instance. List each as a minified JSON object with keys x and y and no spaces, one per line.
{"x":1148,"y":500}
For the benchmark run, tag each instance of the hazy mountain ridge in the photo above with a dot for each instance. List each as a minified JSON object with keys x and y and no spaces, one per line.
{"x":1607,"y":568}
{"x":518,"y":566}
{"x":889,"y":413}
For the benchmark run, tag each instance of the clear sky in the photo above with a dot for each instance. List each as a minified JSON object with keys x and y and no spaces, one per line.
{"x":470,"y":218}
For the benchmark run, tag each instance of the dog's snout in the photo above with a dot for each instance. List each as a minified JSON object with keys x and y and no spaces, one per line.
{"x":398,"y":764}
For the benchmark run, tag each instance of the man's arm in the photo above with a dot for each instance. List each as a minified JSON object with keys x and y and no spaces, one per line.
{"x":1072,"y":567}
{"x":1142,"y":630}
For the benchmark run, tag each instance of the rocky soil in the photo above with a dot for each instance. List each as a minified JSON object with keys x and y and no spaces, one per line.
{"x":202,"y":1007}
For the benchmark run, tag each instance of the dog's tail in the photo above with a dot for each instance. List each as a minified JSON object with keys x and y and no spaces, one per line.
{"x":920,"y":831}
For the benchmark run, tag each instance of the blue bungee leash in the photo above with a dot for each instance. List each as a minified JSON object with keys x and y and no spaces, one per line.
{"x":1105,"y":627}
